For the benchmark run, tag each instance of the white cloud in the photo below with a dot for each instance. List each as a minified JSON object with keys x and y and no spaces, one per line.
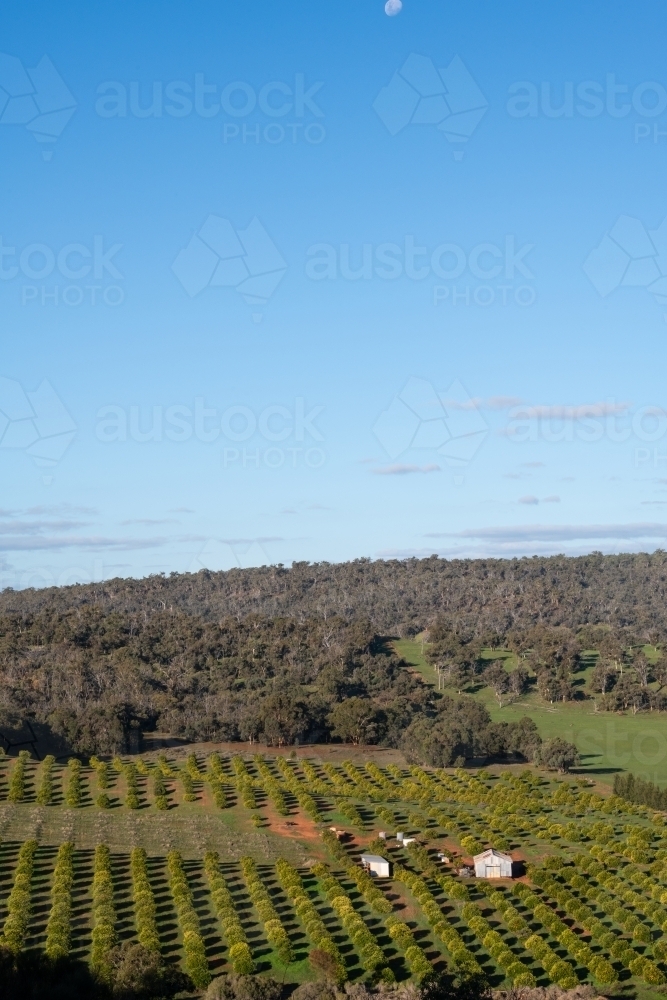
{"x":27,"y":543}
{"x":38,"y":527}
{"x":577,"y":412}
{"x":404,"y":470}
{"x":60,"y":508}
{"x":533,"y":500}
{"x":561,"y":532}
{"x":148,"y":521}
{"x":479,"y":403}
{"x":251,"y":541}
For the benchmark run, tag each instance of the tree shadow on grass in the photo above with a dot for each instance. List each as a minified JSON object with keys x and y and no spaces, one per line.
{"x":585,"y":769}
{"x":595,"y":770}
{"x":32,"y":977}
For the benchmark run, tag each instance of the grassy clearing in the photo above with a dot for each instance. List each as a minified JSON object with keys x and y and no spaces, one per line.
{"x":608,"y":742}
{"x":412,"y":651}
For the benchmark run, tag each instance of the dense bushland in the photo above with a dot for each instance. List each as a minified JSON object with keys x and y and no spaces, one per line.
{"x":281,"y":656}
{"x":481,"y":595}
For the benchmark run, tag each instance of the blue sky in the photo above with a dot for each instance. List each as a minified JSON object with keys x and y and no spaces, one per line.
{"x":313,"y":282}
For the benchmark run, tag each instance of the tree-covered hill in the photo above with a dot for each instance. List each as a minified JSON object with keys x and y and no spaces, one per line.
{"x":398,"y":596}
{"x":285,"y":655}
{"x":94,"y":677}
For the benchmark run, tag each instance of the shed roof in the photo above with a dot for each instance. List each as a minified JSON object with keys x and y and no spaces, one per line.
{"x":370,"y":859}
{"x":490,"y":854}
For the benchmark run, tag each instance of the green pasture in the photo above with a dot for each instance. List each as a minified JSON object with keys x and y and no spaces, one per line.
{"x":411,"y":650}
{"x":609,"y":742}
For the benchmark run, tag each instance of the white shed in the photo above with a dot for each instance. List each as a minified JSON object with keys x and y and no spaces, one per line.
{"x":376,"y":865}
{"x":493,"y":864}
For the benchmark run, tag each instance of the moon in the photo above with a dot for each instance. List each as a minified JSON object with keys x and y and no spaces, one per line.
{"x":393,"y":7}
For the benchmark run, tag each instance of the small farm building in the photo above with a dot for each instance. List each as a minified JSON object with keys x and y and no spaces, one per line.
{"x":376,"y":865}
{"x":493,"y":864}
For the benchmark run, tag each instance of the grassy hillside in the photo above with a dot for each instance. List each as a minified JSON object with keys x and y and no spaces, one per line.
{"x":608,"y":742}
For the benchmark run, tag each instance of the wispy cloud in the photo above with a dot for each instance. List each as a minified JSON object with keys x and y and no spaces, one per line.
{"x":501,"y":402}
{"x":148,"y":521}
{"x":560,"y":532}
{"x":573,"y":412}
{"x":250,"y":541}
{"x":181,"y":510}
{"x":529,"y":500}
{"x":91,"y":543}
{"x":479,"y":403}
{"x":38,"y":527}
{"x":60,"y":508}
{"x":404,"y":470}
